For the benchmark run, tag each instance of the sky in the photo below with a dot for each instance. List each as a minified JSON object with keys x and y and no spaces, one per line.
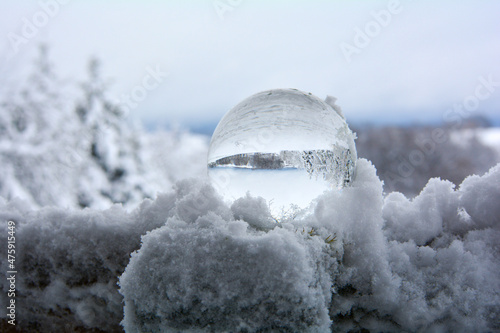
{"x":188,"y":62}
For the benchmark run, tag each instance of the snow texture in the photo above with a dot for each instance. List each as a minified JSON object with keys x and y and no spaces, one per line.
{"x":68,"y":262}
{"x":427,"y":264}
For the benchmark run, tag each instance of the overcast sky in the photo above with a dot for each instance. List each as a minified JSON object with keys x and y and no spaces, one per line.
{"x":413,"y":64}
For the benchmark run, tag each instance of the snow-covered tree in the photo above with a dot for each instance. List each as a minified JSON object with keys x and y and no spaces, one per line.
{"x":70,"y":145}
{"x":34,"y":125}
{"x":113,"y":148}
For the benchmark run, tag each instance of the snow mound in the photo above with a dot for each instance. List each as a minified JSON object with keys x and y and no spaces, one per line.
{"x":219,"y":275}
{"x":216,"y":275}
{"x":359,"y":260}
{"x":68,"y":263}
{"x":395,"y":264}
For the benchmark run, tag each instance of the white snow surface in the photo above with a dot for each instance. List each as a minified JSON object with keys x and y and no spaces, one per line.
{"x":427,"y":264}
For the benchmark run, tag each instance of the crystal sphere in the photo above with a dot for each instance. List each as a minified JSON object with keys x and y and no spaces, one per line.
{"x":284,"y":145}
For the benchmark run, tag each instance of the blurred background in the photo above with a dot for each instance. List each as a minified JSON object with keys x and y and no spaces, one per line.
{"x":113,"y":102}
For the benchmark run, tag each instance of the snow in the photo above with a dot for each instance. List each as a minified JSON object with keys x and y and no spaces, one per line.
{"x":189,"y":261}
{"x":487,"y":136}
{"x":68,"y":262}
{"x":68,"y":145}
{"x":491,"y":137}
{"x":184,"y":259}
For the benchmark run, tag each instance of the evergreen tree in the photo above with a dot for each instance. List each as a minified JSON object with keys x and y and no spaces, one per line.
{"x":32,"y":133}
{"x":112,"y":145}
